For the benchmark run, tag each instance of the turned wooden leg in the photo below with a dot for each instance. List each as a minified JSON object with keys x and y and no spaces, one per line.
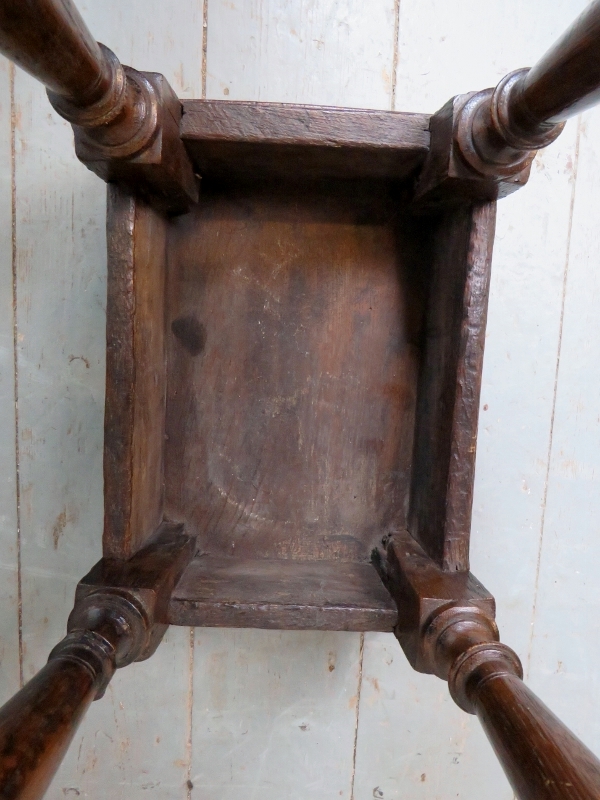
{"x":118,"y":618}
{"x":483,"y":143}
{"x":446,"y":627}
{"x":126,"y":123}
{"x":542,"y":759}
{"x":38,"y":723}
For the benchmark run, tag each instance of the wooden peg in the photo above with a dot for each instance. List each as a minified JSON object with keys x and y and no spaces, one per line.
{"x":126,"y":123}
{"x":483,"y":143}
{"x":446,"y":627}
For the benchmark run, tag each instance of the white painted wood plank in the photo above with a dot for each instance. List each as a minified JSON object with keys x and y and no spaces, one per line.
{"x":134,"y":743}
{"x":528,"y":278}
{"x":136,"y":739}
{"x":566,"y":643}
{"x":413,"y":742}
{"x":518,"y":386}
{"x":446,"y":48}
{"x":9,"y":618}
{"x":153,"y":36}
{"x":270,"y":718}
{"x":328,"y":52}
{"x":61,"y":257}
{"x":274,"y":714}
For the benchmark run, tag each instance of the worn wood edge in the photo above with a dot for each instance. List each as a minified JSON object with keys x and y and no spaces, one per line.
{"x":120,"y":373}
{"x":281,"y":594}
{"x":461,"y":477}
{"x":449,"y":385}
{"x":150,"y":362}
{"x":287,"y":123}
{"x":133,"y":494}
{"x":273,"y":616}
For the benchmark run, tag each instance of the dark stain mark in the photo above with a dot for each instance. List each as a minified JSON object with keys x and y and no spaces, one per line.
{"x":191,"y":333}
{"x":190,"y":785}
{"x":304,"y":727}
{"x":59,"y":526}
{"x":79,"y":358}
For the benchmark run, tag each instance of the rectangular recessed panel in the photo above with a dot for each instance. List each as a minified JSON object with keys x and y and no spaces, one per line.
{"x":265,"y":593}
{"x":294,"y":331}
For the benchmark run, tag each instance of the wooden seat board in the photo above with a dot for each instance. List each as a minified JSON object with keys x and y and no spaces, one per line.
{"x":277,"y":593}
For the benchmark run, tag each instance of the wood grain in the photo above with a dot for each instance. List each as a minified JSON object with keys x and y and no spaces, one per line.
{"x":449,"y":385}
{"x":136,"y":375}
{"x":281,"y":593}
{"x":280,"y":140}
{"x":125,"y":123}
{"x":341,"y":55}
{"x":309,"y":366}
{"x":428,"y":75}
{"x":523,"y":328}
{"x":38,"y":723}
{"x":446,"y":627}
{"x":483,"y":143}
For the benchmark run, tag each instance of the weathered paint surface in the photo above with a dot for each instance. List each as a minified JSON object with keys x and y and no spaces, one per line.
{"x":131,"y":743}
{"x":302,"y":715}
{"x":274,"y":714}
{"x":9,"y":595}
{"x":522,"y":346}
{"x":565,"y":644}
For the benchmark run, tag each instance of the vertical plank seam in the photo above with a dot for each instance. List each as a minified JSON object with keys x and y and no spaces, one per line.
{"x":554,"y":395}
{"x":358,"y":692}
{"x":190,"y":719}
{"x":395,"y":53}
{"x":204,"y":44}
{"x":13,"y":204}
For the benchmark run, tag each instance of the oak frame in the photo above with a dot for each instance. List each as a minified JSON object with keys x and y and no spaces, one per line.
{"x":288,"y":185}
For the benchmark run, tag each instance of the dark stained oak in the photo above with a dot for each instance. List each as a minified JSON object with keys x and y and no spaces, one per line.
{"x":50,"y":41}
{"x":443,"y":469}
{"x":294,"y":323}
{"x":293,"y":378}
{"x":446,"y":627}
{"x":283,"y":141}
{"x":291,"y":410}
{"x":310,"y":331}
{"x":119,"y":617}
{"x":134,"y":421}
{"x":126,"y":123}
{"x":541,"y":756}
{"x":483,"y":143}
{"x":564,"y":82}
{"x":39,"y":722}
{"x":318,"y":126}
{"x":281,"y":593}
